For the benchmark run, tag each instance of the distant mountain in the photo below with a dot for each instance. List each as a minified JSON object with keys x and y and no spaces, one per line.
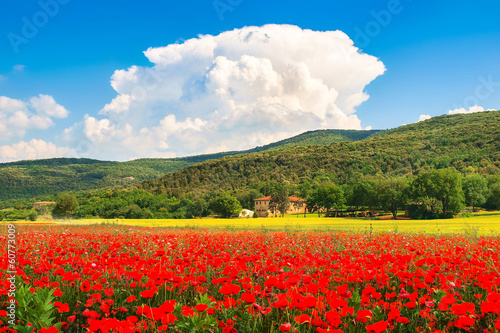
{"x":467,"y":142}
{"x":28,"y":179}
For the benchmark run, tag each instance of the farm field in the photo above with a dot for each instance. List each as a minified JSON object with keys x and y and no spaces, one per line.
{"x":483,"y":223}
{"x":125,"y":278}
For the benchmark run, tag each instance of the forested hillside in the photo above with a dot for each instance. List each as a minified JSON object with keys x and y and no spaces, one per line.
{"x":28,"y":179}
{"x":470,"y":141}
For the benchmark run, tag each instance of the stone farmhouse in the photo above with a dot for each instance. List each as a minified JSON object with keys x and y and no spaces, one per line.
{"x":262,"y":206}
{"x":40,"y":204}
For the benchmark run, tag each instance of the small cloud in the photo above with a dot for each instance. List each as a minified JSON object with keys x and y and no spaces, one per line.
{"x":472,"y":109}
{"x":423,"y":117}
{"x":3,"y":78}
{"x":46,"y":105}
{"x":19,"y":68}
{"x":17,"y":116}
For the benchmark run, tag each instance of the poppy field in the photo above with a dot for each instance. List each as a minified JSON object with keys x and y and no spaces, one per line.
{"x":102,"y":278}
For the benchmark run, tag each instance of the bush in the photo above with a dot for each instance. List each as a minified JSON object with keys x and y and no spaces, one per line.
{"x":33,"y":216}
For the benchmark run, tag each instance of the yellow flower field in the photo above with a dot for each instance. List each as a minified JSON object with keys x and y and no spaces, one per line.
{"x":484,"y":223}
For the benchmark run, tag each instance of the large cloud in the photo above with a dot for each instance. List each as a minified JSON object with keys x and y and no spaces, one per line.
{"x":32,"y":150}
{"x":17,"y":116}
{"x":236,"y":90}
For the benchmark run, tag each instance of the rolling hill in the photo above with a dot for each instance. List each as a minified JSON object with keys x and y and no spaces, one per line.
{"x":28,"y":179}
{"x":466,"y":142}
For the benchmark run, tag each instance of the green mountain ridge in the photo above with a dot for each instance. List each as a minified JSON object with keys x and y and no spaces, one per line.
{"x":467,"y":142}
{"x":28,"y":179}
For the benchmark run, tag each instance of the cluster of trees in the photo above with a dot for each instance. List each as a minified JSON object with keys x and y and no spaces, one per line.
{"x":139,"y":204}
{"x":439,"y":193}
{"x":18,"y":214}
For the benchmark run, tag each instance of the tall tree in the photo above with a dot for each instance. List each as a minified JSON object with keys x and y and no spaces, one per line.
{"x":444,"y":185}
{"x":392,"y":194}
{"x":280,"y":197}
{"x":493,"y":201}
{"x":362,"y":195}
{"x":226,"y":205}
{"x":476,"y":190}
{"x":65,"y":206}
{"x":333,"y":198}
{"x":328,"y":197}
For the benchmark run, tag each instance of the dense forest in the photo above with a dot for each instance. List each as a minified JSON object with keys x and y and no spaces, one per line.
{"x":29,"y":179}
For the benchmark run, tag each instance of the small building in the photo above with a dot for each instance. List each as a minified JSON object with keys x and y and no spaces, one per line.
{"x":246,"y":213}
{"x":297,"y":206}
{"x":38,"y":205}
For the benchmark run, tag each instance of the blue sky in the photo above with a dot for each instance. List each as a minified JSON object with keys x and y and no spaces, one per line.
{"x":438,"y":56}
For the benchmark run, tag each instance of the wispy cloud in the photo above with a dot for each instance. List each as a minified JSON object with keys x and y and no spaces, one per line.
{"x":472,"y":109}
{"x":19,"y":68}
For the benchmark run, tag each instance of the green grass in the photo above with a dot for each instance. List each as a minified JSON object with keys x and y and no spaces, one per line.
{"x":482,"y":223}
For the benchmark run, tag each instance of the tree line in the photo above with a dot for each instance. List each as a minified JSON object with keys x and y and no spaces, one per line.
{"x":440,"y":193}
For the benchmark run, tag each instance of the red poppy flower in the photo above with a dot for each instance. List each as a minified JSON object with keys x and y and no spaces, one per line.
{"x":303,"y":318}
{"x":285,"y":327}
{"x":378,"y":327}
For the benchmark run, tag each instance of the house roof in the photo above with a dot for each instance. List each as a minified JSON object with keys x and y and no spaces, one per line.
{"x":292,"y":199}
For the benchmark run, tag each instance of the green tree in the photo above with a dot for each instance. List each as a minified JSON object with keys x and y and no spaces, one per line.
{"x":493,"y":201}
{"x":476,"y":190}
{"x":362,"y":195}
{"x":226,"y":205}
{"x":444,"y":185}
{"x":33,"y":216}
{"x":392,"y":194}
{"x":314,"y":202}
{"x":246,"y":198}
{"x":280,"y":197}
{"x":304,"y":189}
{"x":200,"y":207}
{"x":333,"y":198}
{"x":65,"y":206}
{"x":329,"y":197}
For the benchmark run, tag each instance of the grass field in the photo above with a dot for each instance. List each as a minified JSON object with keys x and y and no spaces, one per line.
{"x":483,"y":223}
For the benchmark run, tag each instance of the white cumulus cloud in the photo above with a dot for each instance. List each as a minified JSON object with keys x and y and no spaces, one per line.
{"x":472,"y":109}
{"x":17,"y":116}
{"x":34,"y":149}
{"x":236,"y":90}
